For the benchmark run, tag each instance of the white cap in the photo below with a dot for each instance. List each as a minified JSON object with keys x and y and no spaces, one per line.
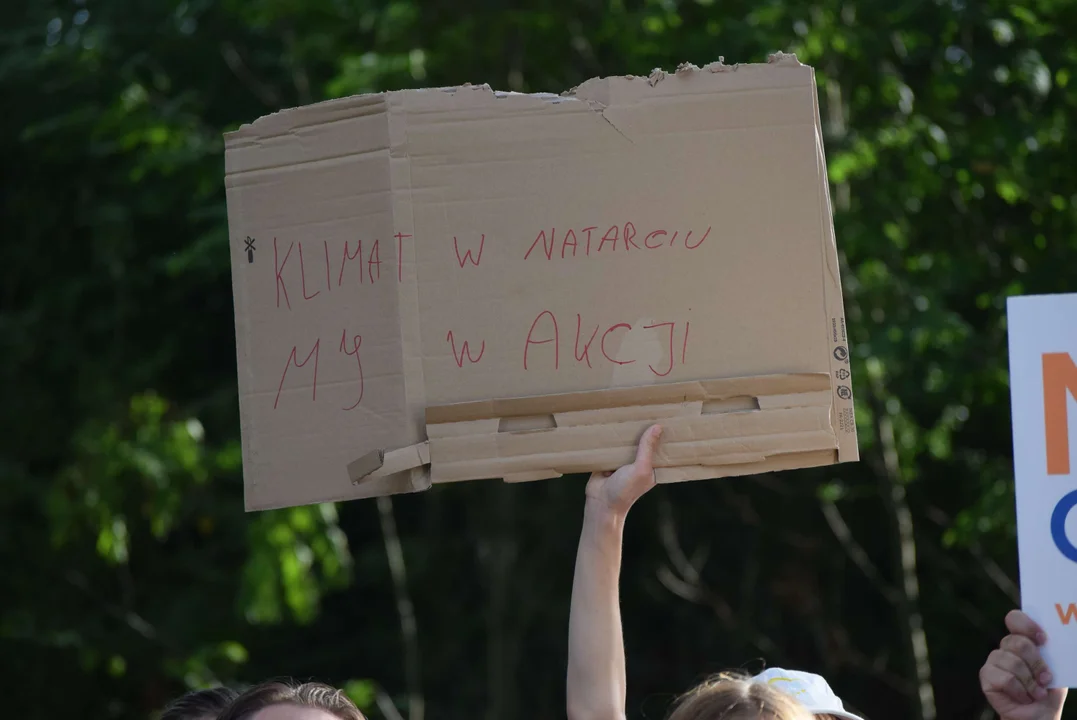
{"x":811,"y":691}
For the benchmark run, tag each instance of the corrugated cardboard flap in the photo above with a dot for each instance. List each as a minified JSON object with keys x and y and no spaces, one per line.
{"x":713,"y":428}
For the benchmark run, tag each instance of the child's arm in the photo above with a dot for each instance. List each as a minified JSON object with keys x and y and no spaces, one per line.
{"x":596,"y":656}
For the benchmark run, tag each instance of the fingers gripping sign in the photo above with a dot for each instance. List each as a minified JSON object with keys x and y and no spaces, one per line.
{"x":1018,"y":623}
{"x":620,"y":490}
{"x":1015,"y":677}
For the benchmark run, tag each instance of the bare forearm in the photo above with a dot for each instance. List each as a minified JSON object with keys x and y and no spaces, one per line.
{"x":596,"y":657}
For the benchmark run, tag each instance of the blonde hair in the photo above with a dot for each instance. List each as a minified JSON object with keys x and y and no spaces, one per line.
{"x":731,"y":696}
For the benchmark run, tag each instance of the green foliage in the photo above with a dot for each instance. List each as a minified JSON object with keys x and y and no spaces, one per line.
{"x":131,"y":571}
{"x":295,"y":556}
{"x":361,"y":692}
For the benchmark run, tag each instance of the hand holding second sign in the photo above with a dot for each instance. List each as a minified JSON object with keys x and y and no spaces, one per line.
{"x":1015,"y":677}
{"x":619,"y":490}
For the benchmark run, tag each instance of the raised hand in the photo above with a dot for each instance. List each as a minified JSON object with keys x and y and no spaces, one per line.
{"x":1015,"y":677}
{"x":620,"y":489}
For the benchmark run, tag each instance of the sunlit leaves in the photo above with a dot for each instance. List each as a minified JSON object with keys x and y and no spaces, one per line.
{"x":361,"y":692}
{"x":143,"y":464}
{"x":370,"y":72}
{"x":857,"y":161}
{"x":296,"y":555}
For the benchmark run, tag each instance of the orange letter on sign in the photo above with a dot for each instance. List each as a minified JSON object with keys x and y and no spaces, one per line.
{"x":1066,"y":615}
{"x":1059,"y":379}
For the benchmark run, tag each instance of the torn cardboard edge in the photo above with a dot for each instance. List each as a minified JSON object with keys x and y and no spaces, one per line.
{"x":587,"y":91}
{"x":712,"y":428}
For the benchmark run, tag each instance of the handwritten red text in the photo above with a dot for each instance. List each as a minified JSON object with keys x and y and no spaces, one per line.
{"x":545,"y":330}
{"x":571,"y":242}
{"x":467,"y":254}
{"x":465,"y":351}
{"x":348,"y":348}
{"x":302,"y":270}
{"x":356,"y":341}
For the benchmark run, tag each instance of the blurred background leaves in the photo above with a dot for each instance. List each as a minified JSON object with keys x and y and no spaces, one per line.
{"x":131,"y":572}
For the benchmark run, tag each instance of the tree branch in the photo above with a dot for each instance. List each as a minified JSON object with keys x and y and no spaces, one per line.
{"x":892,"y":489}
{"x":990,"y":568}
{"x":261,"y":90}
{"x":408,"y":627}
{"x":300,"y":78}
{"x":856,"y":552}
{"x":682,"y":578}
{"x":386,"y":706}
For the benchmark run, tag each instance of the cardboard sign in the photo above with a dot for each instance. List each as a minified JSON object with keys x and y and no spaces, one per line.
{"x":1043,"y":385}
{"x":451,"y":284}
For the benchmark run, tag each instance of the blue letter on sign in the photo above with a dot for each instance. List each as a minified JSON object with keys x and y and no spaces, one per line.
{"x":1058,"y":525}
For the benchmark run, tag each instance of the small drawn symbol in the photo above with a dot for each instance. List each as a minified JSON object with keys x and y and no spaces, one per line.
{"x":842,"y":374}
{"x":841,"y":353}
{"x":249,"y":248}
{"x":844,"y":392}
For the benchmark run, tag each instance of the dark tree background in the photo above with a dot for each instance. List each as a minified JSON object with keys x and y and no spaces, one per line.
{"x":130,"y":572}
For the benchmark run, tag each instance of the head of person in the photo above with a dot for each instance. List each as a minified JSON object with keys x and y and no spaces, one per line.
{"x":775,"y":694}
{"x":811,"y":691}
{"x":283,"y":700}
{"x":200,"y":704}
{"x":730,"y":696}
